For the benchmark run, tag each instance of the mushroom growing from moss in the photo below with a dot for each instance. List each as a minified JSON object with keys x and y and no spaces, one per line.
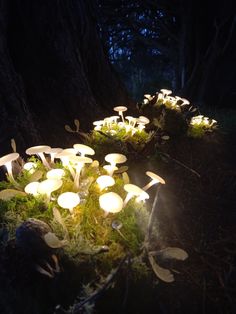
{"x":7,"y":162}
{"x":155,"y":179}
{"x":134,"y":190}
{"x":79,"y":162}
{"x":47,"y":186}
{"x":68,"y":200}
{"x":32,"y":188}
{"x":55,"y":174}
{"x":84,"y":150}
{"x":111,"y":202}
{"x":39,"y":150}
{"x":120,"y":109}
{"x":105,"y":181}
{"x":115,"y":158}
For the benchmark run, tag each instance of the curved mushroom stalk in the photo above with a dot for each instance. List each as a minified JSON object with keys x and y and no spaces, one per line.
{"x":79,"y":162}
{"x":155,"y":180}
{"x":7,"y":162}
{"x":120,"y":110}
{"x":134,"y":190}
{"x":39,"y":150}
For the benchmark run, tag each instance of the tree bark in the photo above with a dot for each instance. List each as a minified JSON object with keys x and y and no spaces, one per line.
{"x":56,"y":68}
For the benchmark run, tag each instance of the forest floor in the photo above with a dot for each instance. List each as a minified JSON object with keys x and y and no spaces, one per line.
{"x":197,"y":214}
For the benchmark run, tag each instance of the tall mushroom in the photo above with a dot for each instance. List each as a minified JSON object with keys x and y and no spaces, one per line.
{"x":79,"y":162}
{"x":115,"y":158}
{"x":52,"y":152}
{"x":65,"y":156}
{"x":7,"y":162}
{"x":120,"y":109}
{"x":155,"y":179}
{"x":39,"y":150}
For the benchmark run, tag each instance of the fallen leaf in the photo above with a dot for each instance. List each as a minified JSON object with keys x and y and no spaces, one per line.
{"x":162,"y":273}
{"x":10,"y":193}
{"x":173,"y":253}
{"x":37,"y":175}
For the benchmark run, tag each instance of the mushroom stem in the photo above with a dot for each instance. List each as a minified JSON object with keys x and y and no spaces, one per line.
{"x":122,"y":116}
{"x":9,"y":171}
{"x":46,"y":164}
{"x":147,"y":186}
{"x":77,"y":175}
{"x":127,"y":199}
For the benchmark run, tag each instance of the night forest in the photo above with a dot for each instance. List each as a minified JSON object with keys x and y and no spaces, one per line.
{"x":117,"y":156}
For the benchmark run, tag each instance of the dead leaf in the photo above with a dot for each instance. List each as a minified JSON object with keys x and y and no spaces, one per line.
{"x":52,"y":240}
{"x":7,"y":194}
{"x":77,"y":124}
{"x":162,"y":273}
{"x":37,"y":175}
{"x":125,"y":177}
{"x":173,"y":253}
{"x":69,"y":129}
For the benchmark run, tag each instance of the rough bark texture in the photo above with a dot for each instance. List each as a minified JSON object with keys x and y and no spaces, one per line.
{"x":53,"y":69}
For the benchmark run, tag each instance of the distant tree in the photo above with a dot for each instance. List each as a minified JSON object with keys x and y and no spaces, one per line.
{"x":53,"y":69}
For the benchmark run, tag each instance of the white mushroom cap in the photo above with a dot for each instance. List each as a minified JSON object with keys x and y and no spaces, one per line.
{"x":166,"y":91}
{"x":155,"y":177}
{"x":133,"y":189}
{"x":143,"y":120}
{"x":49,"y":185}
{"x":70,"y":150}
{"x":54,"y":150}
{"x":98,"y":123}
{"x":105,"y":181}
{"x":83,"y":149}
{"x":111,"y":202}
{"x":148,"y":96}
{"x":32,"y":188}
{"x":55,"y":174}
{"x":8,"y":158}
{"x":34,"y":150}
{"x":115,"y":118}
{"x":120,"y":108}
{"x":79,"y":160}
{"x":185,"y":102}
{"x":115,"y":158}
{"x":29,"y":166}
{"x":68,"y":200}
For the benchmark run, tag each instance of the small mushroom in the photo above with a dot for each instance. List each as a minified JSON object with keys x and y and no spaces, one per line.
{"x":115,"y":158}
{"x":155,"y":179}
{"x":39,"y":150}
{"x":68,"y":200}
{"x":84,"y":149}
{"x":7,"y":162}
{"x":65,"y":156}
{"x":47,"y":186}
{"x":32,"y":188}
{"x":133,"y":190}
{"x":120,"y":109}
{"x":111,"y":202}
{"x":105,"y":181}
{"x":110,"y":169}
{"x":98,"y":125}
{"x":30,"y":166}
{"x":117,"y":225}
{"x":166,"y":92}
{"x":55,"y":174}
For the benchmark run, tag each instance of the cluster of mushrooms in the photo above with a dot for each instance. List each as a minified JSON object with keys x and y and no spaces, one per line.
{"x":201,"y":121}
{"x":170,"y":101}
{"x":74,"y":161}
{"x":129,"y":124}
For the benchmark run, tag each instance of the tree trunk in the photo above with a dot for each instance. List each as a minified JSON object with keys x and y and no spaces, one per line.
{"x":209,"y":52}
{"x":56,"y":69}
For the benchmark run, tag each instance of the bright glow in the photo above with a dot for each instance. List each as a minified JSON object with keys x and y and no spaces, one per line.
{"x":68,"y":200}
{"x":110,"y":169}
{"x":155,"y":179}
{"x":115,"y":158}
{"x":105,"y":181}
{"x":55,"y":174}
{"x":111,"y":202}
{"x":83,"y":149}
{"x":47,"y":186}
{"x":29,"y":166}
{"x":32,"y":188}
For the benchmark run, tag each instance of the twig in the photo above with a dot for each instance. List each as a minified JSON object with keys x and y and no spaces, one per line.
{"x":181,"y":164}
{"x":77,"y":307}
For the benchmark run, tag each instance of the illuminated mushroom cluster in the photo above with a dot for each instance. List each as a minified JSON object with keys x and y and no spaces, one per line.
{"x":72,"y":166}
{"x":114,"y":125}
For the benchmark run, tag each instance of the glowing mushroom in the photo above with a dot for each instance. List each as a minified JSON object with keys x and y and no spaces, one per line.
{"x":68,"y":200}
{"x":79,"y":162}
{"x":115,"y":158}
{"x":84,"y":149}
{"x":52,"y":152}
{"x":7,"y":161}
{"x":55,"y":174}
{"x":120,"y":109}
{"x":98,"y":125}
{"x":39,"y":150}
{"x":134,"y":190}
{"x":65,"y":156}
{"x":166,"y":92}
{"x":32,"y":188}
{"x":155,"y":179}
{"x":30,"y":166}
{"x":110,"y":169}
{"x":105,"y":181}
{"x":47,"y":186}
{"x":111,"y":202}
